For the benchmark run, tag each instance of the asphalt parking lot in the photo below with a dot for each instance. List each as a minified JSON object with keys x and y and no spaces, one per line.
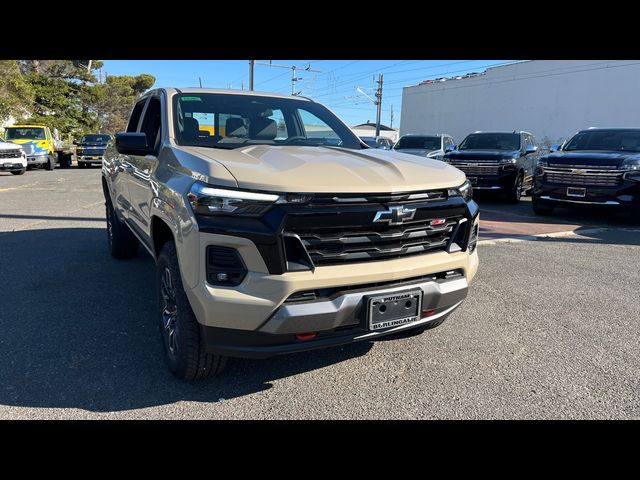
{"x":549,"y":330}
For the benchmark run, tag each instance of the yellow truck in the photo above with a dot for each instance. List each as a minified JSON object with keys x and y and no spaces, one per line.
{"x":42,"y":148}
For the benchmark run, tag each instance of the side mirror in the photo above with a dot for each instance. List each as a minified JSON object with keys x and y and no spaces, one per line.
{"x":450,"y":148}
{"x":75,"y":142}
{"x":132,"y":143}
{"x":530,"y":149}
{"x":555,"y":147}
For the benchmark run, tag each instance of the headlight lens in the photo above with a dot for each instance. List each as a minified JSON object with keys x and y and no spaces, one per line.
{"x":631,"y":164}
{"x":208,"y":200}
{"x":508,"y":161}
{"x":433,"y":154}
{"x":40,"y":154}
{"x":465,"y":191}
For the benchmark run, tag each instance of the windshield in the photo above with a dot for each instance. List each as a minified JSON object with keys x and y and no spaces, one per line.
{"x":25,"y":133}
{"x":417,"y":142}
{"x":491,"y":141}
{"x":232,"y":121}
{"x":95,"y":138}
{"x":371,"y":141}
{"x":616,"y":140}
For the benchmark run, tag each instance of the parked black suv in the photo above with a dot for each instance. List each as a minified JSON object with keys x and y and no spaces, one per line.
{"x":597,"y":166}
{"x":91,"y":149}
{"x":500,"y":161}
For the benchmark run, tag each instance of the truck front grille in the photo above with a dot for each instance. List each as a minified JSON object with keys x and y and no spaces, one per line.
{"x":583,"y":176}
{"x":10,"y":153}
{"x":328,"y":246}
{"x":478,"y":169}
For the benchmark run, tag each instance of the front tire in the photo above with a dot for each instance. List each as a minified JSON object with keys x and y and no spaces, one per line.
{"x":540,"y":208}
{"x":123,"y":244}
{"x":19,"y":172}
{"x":516,"y":192}
{"x":182,"y":340}
{"x":51,"y":163}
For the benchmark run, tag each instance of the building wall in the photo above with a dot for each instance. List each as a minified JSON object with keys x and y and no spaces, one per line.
{"x":552,"y":99}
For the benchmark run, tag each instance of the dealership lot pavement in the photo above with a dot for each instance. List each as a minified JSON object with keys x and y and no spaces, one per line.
{"x":550,"y":328}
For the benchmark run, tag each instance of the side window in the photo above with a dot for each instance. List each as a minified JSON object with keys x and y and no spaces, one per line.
{"x":151,"y":123}
{"x":132,"y":126}
{"x":533,"y":141}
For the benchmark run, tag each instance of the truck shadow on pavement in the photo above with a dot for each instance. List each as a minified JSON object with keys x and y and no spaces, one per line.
{"x":79,"y":331}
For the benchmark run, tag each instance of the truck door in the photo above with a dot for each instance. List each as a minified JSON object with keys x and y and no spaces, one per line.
{"x":141,"y":167}
{"x":122,"y":165}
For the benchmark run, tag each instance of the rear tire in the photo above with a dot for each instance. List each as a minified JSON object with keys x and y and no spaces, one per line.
{"x":51,"y":163}
{"x":81,"y":164}
{"x":540,"y":208}
{"x":123,"y":244}
{"x":182,"y":340}
{"x":19,"y":172}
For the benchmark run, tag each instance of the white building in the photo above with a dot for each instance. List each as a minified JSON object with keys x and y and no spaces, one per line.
{"x":552,"y":99}
{"x":369,"y":130}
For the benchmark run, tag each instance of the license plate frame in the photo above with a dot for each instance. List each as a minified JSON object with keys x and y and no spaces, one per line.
{"x":394,"y":304}
{"x":578,"y":192}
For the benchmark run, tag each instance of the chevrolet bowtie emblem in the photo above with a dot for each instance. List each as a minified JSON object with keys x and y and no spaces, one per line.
{"x":578,"y":171}
{"x":395,"y":215}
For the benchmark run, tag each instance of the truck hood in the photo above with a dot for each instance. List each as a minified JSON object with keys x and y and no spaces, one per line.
{"x":473,"y":155}
{"x":9,"y":146}
{"x":329,"y":169}
{"x":33,"y":146}
{"x":592,"y":157}
{"x":415,"y":151}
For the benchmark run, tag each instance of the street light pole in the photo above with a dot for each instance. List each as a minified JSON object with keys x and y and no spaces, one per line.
{"x":379,"y":104}
{"x":252,"y":64}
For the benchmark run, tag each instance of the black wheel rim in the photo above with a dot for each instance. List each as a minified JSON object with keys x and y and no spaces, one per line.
{"x":169,"y":311}
{"x":519,"y":188}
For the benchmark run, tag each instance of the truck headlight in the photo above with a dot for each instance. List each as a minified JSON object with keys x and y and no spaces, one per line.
{"x":631,"y":164}
{"x":508,"y":161}
{"x":40,"y":154}
{"x":465,"y":191}
{"x":209,"y":200}
{"x":435,"y":154}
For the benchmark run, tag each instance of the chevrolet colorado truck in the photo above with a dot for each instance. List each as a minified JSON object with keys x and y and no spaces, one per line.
{"x":275,"y":229}
{"x":596,"y":167}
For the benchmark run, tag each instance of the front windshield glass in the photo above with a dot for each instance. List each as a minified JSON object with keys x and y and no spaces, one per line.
{"x":491,"y":141}
{"x":93,"y":138}
{"x":232,"y":121}
{"x":612,"y":140}
{"x":26,"y":133}
{"x":419,"y":142}
{"x":371,"y":141}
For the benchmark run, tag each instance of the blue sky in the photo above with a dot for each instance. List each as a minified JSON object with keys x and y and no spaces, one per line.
{"x":335,"y":85}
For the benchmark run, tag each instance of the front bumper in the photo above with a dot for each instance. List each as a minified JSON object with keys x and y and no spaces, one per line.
{"x":337,"y":320}
{"x":503,"y":181}
{"x":622,"y":196}
{"x":37,"y":159}
{"x":97,"y":159}
{"x":11,"y":165}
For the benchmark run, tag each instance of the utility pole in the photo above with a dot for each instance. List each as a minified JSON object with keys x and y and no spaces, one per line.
{"x":294,"y":78}
{"x":252,"y":64}
{"x":379,"y":103}
{"x":391,"y":116}
{"x":200,"y":80}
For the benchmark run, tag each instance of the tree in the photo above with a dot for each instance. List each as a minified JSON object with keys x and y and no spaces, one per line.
{"x":16,"y":94}
{"x":115,"y":98}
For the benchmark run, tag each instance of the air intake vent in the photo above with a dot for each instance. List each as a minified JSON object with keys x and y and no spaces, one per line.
{"x":225,"y":266}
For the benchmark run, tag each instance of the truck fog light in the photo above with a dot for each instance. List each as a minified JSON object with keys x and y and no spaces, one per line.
{"x":224,"y":266}
{"x":222,"y":277}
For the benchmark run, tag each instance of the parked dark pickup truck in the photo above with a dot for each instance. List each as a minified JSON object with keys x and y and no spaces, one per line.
{"x":596,"y":167}
{"x":499,"y":161}
{"x":91,"y":149}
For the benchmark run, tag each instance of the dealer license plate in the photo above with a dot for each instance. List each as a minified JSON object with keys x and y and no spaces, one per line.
{"x":394,"y":309}
{"x":576,"y":192}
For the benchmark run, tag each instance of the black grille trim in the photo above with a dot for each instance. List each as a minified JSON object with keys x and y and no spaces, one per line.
{"x":11,"y":153}
{"x":328,"y":246}
{"x":225,"y":260}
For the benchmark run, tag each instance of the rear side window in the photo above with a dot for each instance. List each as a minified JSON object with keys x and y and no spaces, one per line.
{"x":134,"y":118}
